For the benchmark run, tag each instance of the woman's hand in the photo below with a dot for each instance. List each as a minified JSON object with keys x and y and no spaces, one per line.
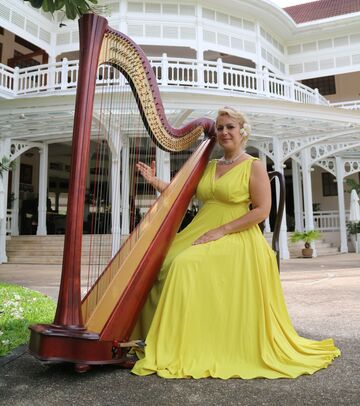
{"x":148,"y":173}
{"x":211,"y":235}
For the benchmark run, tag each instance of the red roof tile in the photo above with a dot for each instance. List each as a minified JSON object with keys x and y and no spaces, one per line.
{"x":316,"y":10}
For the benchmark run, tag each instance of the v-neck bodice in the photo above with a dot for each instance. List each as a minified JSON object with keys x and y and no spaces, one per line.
{"x":234,"y":167}
{"x":230,"y":188}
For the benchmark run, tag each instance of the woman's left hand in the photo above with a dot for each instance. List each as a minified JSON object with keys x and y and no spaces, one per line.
{"x":211,"y":235}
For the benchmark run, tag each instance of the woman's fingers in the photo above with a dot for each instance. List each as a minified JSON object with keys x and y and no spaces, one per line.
{"x":211,"y":235}
{"x":153,"y":167}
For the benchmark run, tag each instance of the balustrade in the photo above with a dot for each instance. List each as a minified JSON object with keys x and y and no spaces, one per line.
{"x":62,"y":76}
{"x":327,"y":220}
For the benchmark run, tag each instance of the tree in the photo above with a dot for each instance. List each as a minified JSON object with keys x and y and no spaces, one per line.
{"x":72,"y":8}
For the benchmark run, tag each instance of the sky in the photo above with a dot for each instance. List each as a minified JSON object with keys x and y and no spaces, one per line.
{"x":286,"y":3}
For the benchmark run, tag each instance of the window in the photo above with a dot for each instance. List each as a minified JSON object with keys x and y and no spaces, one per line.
{"x":326,"y":84}
{"x":329,"y":185}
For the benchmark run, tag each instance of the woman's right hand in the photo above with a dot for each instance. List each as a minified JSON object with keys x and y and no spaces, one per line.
{"x":147,"y":172}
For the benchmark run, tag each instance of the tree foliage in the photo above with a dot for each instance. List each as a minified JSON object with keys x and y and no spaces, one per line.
{"x":353,"y":185}
{"x":72,"y":8}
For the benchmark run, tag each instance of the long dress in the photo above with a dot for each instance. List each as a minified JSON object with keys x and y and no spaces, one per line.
{"x":220,"y":310}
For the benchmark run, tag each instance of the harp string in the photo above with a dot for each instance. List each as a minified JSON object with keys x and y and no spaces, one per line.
{"x":118,"y":117}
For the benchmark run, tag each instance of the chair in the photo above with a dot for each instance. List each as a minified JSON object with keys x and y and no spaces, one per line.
{"x":279,"y":210}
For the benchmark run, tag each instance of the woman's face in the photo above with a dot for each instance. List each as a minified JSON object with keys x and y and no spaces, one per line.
{"x":228,"y":134}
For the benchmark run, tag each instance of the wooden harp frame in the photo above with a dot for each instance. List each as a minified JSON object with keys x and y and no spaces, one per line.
{"x":70,"y":337}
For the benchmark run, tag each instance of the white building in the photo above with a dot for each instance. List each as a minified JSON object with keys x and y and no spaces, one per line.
{"x":294,"y":72}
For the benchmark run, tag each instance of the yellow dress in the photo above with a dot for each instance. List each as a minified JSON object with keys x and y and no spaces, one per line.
{"x":220,"y":310}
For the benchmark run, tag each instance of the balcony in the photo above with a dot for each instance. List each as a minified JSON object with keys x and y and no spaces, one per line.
{"x":215,"y":77}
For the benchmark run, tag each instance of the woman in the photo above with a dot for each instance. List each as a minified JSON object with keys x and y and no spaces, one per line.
{"x":220,"y":309}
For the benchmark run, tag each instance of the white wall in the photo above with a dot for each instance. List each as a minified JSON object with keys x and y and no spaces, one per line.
{"x":328,"y":202}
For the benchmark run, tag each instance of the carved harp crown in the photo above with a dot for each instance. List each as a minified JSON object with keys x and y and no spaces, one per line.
{"x":87,"y":331}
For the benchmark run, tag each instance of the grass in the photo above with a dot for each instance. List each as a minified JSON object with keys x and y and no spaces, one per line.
{"x":19,"y":308}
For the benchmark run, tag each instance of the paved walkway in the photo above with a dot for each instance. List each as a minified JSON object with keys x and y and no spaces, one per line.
{"x":323,"y":298}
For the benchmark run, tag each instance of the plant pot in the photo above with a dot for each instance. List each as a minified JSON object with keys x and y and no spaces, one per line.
{"x":307,"y":252}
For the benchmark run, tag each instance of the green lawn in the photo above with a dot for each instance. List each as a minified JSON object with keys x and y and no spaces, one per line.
{"x":19,"y":308}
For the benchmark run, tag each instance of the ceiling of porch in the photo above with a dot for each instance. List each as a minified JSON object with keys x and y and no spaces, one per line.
{"x":50,"y":119}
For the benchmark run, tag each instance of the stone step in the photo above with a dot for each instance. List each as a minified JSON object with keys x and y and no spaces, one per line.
{"x":322,"y":247}
{"x":49,"y":249}
{"x":52,"y":260}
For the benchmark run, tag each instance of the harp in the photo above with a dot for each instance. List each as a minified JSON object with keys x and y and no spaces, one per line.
{"x":88,"y":330}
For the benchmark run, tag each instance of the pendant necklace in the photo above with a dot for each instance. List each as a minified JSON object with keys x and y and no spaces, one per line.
{"x":223,"y":161}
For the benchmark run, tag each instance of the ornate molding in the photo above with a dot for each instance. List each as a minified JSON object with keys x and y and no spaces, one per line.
{"x":328,"y":164}
{"x":17,"y":148}
{"x":266,"y":147}
{"x":321,"y":151}
{"x":351,"y":166}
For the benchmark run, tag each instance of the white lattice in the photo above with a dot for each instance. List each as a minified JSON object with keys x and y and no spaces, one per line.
{"x":328,"y":164}
{"x":321,"y":151}
{"x":266,"y":147}
{"x":18,"y":148}
{"x":351,"y":166}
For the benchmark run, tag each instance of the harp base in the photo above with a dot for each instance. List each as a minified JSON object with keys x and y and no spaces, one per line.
{"x":82,"y":348}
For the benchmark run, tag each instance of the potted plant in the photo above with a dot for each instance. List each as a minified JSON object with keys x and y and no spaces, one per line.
{"x":307,"y":237}
{"x":354,"y":233}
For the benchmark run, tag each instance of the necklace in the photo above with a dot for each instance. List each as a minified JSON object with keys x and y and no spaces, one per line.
{"x":223,"y":161}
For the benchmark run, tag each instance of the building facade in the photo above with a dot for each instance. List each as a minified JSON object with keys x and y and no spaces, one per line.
{"x":295,"y":72}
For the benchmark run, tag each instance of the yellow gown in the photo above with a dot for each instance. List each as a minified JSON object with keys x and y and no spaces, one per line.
{"x":220,"y":310}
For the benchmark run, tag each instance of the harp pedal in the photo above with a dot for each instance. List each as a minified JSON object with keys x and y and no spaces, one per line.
{"x":120,"y":347}
{"x":132,"y":344}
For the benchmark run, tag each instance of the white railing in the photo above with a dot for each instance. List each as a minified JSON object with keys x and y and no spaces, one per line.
{"x":327,"y":220}
{"x":350,"y":105}
{"x":62,"y":77}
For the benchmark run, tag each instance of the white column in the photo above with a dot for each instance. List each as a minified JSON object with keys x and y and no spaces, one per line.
{"x":220,"y":73}
{"x":258,"y":55}
{"x":125,"y":191}
{"x":164,"y":70}
{"x":115,"y":204}
{"x":199,"y":45}
{"x":123,"y":16}
{"x":43,"y":176}
{"x":307,"y":189}
{"x":15,"y":186}
{"x":163,"y":165}
{"x":298,"y":204}
{"x":267,"y":229}
{"x":341,"y":199}
{"x":278,"y":166}
{"x":4,"y":179}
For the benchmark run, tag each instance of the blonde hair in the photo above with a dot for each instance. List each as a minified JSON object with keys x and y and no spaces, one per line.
{"x":245,"y":128}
